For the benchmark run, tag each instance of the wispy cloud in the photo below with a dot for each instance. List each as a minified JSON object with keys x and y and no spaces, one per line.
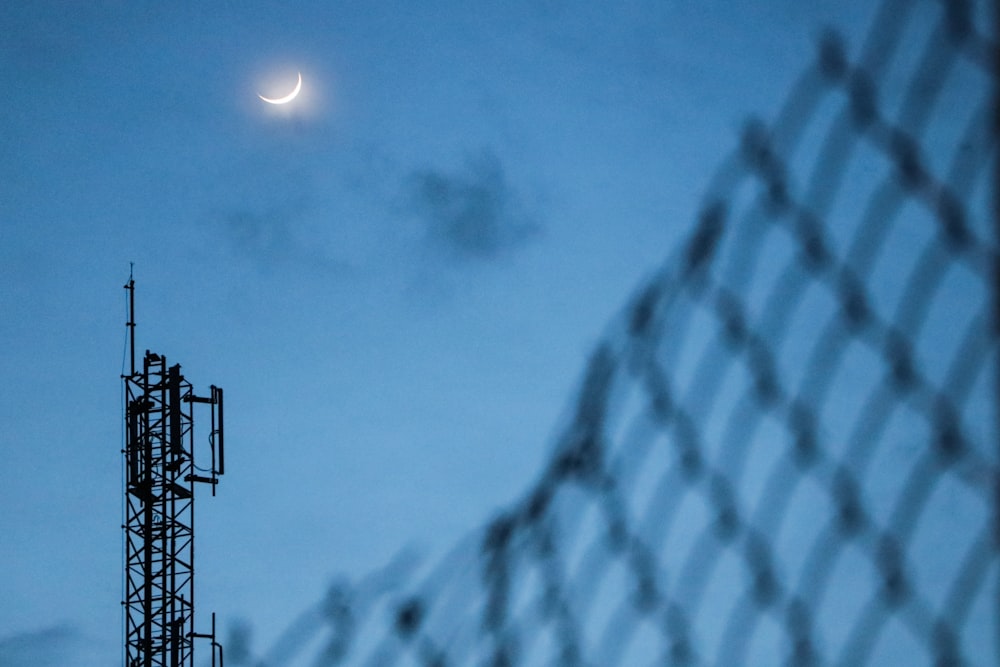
{"x":54,"y":646}
{"x":275,"y":237}
{"x":266,"y":236}
{"x":473,"y":214}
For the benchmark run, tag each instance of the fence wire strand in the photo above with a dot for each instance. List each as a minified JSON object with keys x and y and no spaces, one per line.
{"x":785,"y":449}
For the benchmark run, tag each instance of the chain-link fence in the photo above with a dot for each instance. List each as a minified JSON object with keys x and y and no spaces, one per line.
{"x":785,"y":449}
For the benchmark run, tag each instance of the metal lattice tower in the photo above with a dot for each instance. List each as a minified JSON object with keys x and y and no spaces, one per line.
{"x":160,"y":478}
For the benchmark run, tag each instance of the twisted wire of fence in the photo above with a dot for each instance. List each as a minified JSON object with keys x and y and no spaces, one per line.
{"x":785,"y":448}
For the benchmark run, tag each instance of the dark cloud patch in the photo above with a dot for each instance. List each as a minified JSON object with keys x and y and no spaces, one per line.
{"x":275,"y":237}
{"x":266,"y":236}
{"x":473,"y":214}
{"x":53,"y":646}
{"x":269,"y":212}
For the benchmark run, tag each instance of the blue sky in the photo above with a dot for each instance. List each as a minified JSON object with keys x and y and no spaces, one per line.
{"x":396,"y":279}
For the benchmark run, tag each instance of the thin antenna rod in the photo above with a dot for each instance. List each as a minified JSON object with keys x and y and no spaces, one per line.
{"x":130,"y":286}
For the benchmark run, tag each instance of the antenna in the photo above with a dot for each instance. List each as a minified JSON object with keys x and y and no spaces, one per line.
{"x":160,"y":477}
{"x":130,"y":286}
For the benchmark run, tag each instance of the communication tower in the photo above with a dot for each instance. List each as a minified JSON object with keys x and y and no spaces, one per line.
{"x":160,"y":478}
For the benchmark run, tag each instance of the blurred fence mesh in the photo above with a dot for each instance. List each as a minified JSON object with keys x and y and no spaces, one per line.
{"x":785,"y":449}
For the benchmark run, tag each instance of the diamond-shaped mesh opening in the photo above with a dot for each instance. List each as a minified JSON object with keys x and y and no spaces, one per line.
{"x":785,"y":449}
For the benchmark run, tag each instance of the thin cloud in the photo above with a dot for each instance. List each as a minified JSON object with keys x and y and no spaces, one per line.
{"x":265,"y":236}
{"x":275,"y":237}
{"x":53,"y":646}
{"x":474,"y":214}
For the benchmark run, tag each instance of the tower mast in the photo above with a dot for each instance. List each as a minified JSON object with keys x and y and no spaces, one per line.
{"x":160,"y":478}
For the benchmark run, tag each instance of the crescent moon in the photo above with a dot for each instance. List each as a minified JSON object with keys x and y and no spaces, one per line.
{"x":287,"y":98}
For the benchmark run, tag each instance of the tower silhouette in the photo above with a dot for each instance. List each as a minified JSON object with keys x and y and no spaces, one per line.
{"x":160,"y":478}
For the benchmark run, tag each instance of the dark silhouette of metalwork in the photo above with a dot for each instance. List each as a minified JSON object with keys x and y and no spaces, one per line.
{"x":160,"y":478}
